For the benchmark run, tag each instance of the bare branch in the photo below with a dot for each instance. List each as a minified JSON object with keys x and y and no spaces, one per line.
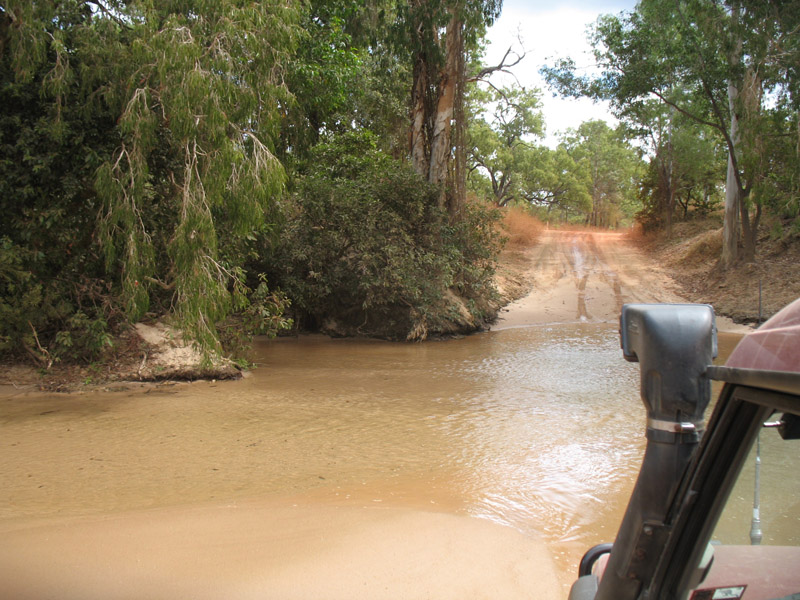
{"x":503,"y":67}
{"x":161,"y":284}
{"x":44,"y":358}
{"x":691,"y":115}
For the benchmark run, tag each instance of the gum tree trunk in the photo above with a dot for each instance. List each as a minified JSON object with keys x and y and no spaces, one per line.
{"x":417,"y":145}
{"x":435,"y":104}
{"x":733,"y":199}
{"x":441,"y":139}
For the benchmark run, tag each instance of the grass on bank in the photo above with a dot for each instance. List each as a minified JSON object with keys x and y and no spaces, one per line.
{"x":521,"y":228}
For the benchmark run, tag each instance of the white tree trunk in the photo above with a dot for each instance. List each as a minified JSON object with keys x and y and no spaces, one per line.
{"x":441,"y":145}
{"x":730,"y":227}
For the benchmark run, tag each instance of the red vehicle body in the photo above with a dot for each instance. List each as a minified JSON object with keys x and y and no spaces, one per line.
{"x":664,"y":548}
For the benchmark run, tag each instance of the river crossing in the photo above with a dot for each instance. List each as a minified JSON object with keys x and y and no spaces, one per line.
{"x":521,"y":444}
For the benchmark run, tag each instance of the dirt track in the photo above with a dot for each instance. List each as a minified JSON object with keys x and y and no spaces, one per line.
{"x":582,"y":276}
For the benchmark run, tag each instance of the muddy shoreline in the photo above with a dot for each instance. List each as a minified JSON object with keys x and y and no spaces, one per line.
{"x":748,"y":293}
{"x":154,"y":355}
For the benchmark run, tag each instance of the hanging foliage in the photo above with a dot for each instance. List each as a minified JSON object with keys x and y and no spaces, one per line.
{"x":196,"y":91}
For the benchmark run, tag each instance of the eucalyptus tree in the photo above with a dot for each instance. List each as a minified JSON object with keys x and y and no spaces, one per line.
{"x":713,"y":61}
{"x":557,"y":184}
{"x":685,"y":159}
{"x":350,"y":71}
{"x":439,"y":35}
{"x":507,"y":162}
{"x":372,"y":61}
{"x":499,"y":148}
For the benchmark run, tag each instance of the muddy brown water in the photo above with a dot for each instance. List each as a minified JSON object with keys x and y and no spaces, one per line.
{"x":539,"y":429}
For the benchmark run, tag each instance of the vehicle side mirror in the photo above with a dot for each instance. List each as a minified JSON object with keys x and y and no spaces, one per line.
{"x":673,"y":344}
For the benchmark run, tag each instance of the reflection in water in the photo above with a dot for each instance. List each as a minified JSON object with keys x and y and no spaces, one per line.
{"x":563,"y":437}
{"x":539,"y":428}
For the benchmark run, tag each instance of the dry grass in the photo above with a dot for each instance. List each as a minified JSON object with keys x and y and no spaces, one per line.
{"x":521,"y":228}
{"x":692,"y":255}
{"x":702,"y":246}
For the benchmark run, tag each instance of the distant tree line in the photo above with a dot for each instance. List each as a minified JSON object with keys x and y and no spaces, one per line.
{"x":707,"y":93}
{"x":591,"y":178}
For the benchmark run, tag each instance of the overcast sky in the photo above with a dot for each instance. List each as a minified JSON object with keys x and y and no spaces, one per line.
{"x":550,"y":29}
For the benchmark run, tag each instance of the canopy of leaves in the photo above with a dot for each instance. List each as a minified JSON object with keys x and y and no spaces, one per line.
{"x":613,"y":168}
{"x":500,"y":148}
{"x":591,"y":177}
{"x":556,"y":186}
{"x":709,"y":61}
{"x":686,"y":164}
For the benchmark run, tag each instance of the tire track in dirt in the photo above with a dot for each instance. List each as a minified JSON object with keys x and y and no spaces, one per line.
{"x":582,"y":276}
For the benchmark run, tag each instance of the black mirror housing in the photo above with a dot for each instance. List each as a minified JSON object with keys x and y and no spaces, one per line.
{"x":674,"y":344}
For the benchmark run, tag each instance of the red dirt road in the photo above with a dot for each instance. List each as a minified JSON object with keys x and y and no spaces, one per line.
{"x":583,"y":276}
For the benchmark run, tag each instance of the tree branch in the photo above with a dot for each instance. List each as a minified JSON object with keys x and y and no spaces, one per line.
{"x":502,"y":67}
{"x":107,"y":12}
{"x":692,"y":116}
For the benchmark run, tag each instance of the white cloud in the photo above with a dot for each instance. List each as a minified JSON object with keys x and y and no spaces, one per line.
{"x":551,"y":30}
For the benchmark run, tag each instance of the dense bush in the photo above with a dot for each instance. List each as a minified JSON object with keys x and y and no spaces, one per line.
{"x":53,"y":297}
{"x":51,"y":318}
{"x":136,"y":169}
{"x":366,"y":249}
{"x":145,"y":154}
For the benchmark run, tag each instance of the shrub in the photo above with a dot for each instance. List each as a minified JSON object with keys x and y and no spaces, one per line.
{"x":366,"y":249}
{"x":257,"y":312}
{"x":50,"y":321}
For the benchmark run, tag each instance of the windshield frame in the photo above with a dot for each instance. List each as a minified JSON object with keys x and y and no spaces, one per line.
{"x":732,"y":429}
